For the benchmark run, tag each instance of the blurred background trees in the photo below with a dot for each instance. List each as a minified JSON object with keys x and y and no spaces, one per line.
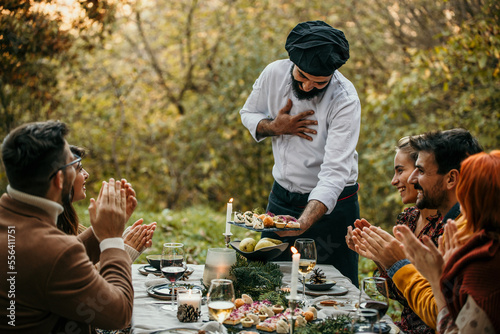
{"x":153,"y":88}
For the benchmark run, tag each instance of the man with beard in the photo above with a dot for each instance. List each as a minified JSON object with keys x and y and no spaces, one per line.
{"x":312,"y":114}
{"x":52,"y":285}
{"x":436,"y":175}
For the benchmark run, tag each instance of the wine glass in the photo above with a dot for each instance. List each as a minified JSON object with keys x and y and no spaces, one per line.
{"x":220,"y":299}
{"x":172,"y":266}
{"x":376,"y":289}
{"x":307,"y":251}
{"x":364,"y":321}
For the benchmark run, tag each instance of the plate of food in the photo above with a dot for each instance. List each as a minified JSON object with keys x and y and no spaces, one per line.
{"x":264,"y":250}
{"x":265,"y":222}
{"x":329,"y":303}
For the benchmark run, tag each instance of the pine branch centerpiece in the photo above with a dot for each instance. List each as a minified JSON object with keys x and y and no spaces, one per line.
{"x":261,"y":281}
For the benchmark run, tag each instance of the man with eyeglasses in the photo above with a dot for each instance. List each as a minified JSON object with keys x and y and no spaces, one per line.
{"x":312,"y":114}
{"x":52,"y":285}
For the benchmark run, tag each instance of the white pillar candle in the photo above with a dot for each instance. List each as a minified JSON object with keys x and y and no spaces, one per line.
{"x":190,"y":297}
{"x":295,"y":273}
{"x":229,"y":213}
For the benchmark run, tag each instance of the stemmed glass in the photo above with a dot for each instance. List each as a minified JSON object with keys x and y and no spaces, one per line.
{"x":376,"y":289}
{"x":364,"y":321}
{"x":220,"y":299}
{"x":172,"y":266}
{"x":307,"y":251}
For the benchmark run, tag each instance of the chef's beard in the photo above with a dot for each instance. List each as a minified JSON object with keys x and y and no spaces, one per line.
{"x":303,"y":95}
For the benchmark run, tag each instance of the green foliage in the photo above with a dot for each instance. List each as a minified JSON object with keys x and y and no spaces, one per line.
{"x":35,"y":42}
{"x":332,"y":324}
{"x":275,"y":297}
{"x":255,"y":278}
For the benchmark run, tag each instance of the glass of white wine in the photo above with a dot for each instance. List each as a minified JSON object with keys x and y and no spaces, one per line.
{"x":307,"y":251}
{"x":220,"y":299}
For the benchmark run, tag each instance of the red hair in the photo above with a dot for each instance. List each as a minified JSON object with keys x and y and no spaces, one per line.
{"x":478,"y":191}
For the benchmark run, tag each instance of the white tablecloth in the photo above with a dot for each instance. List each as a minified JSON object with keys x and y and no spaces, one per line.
{"x":148,"y":316}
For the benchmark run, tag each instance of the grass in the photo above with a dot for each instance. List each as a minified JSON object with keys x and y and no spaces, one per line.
{"x":200,"y":228}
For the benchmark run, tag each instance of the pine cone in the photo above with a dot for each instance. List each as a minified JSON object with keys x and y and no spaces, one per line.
{"x":317,"y":276}
{"x":187,"y":313}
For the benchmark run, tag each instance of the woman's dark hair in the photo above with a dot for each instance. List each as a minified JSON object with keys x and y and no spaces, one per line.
{"x":68,"y":221}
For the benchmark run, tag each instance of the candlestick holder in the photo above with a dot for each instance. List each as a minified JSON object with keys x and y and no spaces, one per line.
{"x":292,"y":304}
{"x":227,"y":238}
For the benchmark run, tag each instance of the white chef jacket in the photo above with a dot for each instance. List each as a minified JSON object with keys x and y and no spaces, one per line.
{"x":328,"y":163}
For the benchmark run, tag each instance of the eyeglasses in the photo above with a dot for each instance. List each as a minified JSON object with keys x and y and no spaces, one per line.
{"x":78,"y":159}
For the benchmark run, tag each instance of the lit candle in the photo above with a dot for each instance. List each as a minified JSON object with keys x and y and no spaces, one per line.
{"x":229,"y":213}
{"x":295,"y":273}
{"x":190,"y":297}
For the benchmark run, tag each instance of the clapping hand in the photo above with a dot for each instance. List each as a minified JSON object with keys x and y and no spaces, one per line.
{"x":131,"y":199}
{"x":426,"y":257}
{"x":108,"y":213}
{"x":140,"y":236}
{"x":359,"y":224}
{"x":376,"y":244}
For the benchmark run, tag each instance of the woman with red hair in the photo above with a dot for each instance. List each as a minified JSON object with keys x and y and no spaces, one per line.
{"x":465,"y":272}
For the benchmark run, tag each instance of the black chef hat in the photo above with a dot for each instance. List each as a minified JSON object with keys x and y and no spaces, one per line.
{"x":317,"y":48}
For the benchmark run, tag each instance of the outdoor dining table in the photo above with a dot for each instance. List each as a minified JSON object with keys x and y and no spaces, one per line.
{"x":148,"y":315}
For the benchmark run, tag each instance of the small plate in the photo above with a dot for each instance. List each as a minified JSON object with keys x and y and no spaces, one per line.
{"x":320,"y":287}
{"x":342,"y":305}
{"x":162,"y":291}
{"x":147,"y":269}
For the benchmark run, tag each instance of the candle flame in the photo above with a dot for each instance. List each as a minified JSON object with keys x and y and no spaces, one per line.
{"x":231,"y":200}
{"x":294,"y":250}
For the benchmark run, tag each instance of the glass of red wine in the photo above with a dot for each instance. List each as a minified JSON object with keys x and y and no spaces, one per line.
{"x":173,"y":266}
{"x":364,"y":321}
{"x":375,"y":288}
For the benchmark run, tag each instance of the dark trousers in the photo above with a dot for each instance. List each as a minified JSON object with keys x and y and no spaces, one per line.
{"x":328,"y":232}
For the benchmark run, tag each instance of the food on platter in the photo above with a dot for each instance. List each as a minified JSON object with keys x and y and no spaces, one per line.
{"x":266,"y":242}
{"x":265,"y":221}
{"x":232,"y":321}
{"x":247,"y":299}
{"x":266,"y":326}
{"x":282,"y":327}
{"x":268,"y":221}
{"x":246,"y":322}
{"x":309,"y":316}
{"x":267,"y":317}
{"x":314,"y":311}
{"x":292,"y":225}
{"x":238,"y":302}
{"x":277,"y":309}
{"x":300,"y":321}
{"x":280,"y":224}
{"x":248,"y":245}
{"x":328,"y":302}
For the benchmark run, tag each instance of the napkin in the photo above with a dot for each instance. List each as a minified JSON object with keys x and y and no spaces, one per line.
{"x":153,"y":280}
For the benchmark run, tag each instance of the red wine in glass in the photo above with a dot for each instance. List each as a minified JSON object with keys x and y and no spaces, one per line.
{"x":173,"y":273}
{"x":380,"y":306}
